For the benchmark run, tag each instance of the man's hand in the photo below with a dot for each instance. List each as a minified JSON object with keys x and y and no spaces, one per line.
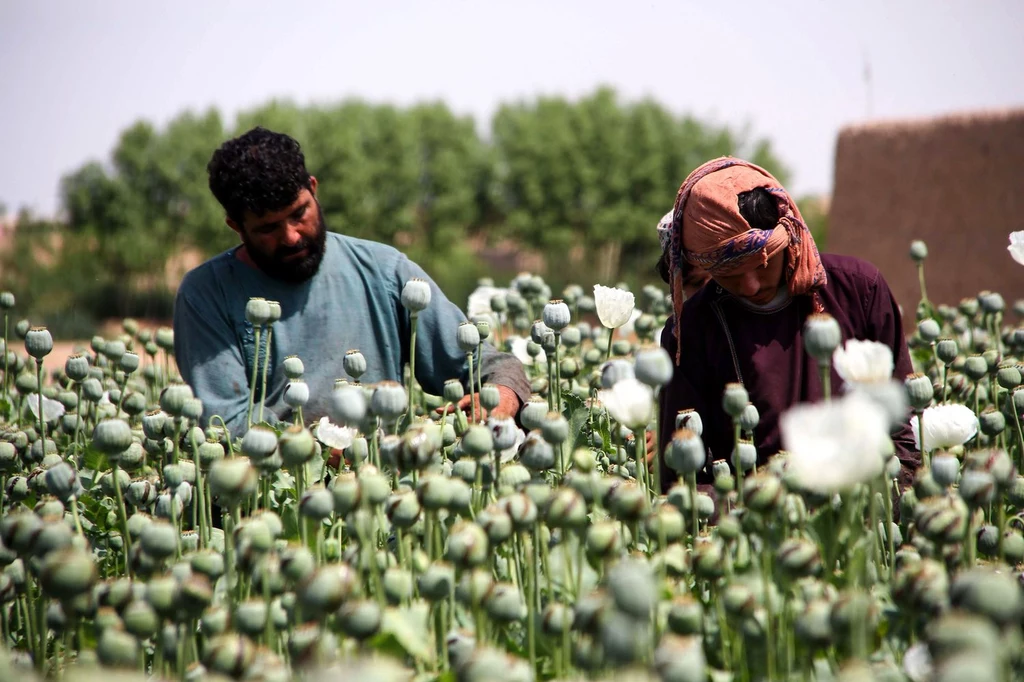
{"x":508,"y":404}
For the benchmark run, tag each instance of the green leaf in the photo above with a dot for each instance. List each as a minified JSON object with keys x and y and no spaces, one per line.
{"x":408,"y":629}
{"x":94,"y":459}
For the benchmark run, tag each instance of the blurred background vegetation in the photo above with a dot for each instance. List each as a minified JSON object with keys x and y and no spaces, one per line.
{"x":571,"y":189}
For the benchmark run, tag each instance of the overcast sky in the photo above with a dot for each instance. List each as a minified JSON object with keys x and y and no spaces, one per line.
{"x":74,"y":73}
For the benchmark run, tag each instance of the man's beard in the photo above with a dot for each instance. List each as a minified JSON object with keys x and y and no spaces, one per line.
{"x":294,"y":272}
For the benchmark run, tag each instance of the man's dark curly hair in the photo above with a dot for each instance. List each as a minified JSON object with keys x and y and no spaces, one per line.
{"x":260,"y":171}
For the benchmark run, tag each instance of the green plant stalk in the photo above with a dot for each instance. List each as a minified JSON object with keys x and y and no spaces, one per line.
{"x":736,"y":461}
{"x":766,"y":573}
{"x":39,"y":403}
{"x":266,"y":364}
{"x":920,"y":437}
{"x":124,"y":520}
{"x":1001,"y":524}
{"x":890,"y":538}
{"x":229,"y":556}
{"x":255,"y":370}
{"x":411,"y":381}
{"x":920,"y":279}
{"x":480,"y":374}
{"x":6,"y":356}
{"x":472,"y":401}
{"x":825,"y":370}
{"x":694,"y":521}
{"x":656,"y":468}
{"x":1016,"y":422}
{"x":558,"y":375}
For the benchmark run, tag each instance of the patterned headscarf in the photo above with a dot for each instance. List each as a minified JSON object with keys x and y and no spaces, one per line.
{"x":705,"y":228}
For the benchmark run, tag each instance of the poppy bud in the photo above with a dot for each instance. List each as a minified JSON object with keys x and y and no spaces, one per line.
{"x":946,"y":350}
{"x":67,"y":573}
{"x":467,"y":544}
{"x":468,"y":337}
{"x":918,"y":251}
{"x":117,"y":649}
{"x":945,"y":469}
{"x":112,"y":436}
{"x":233,"y":479}
{"x":297,"y":446}
{"x":919,"y":390}
{"x":389,"y":401}
{"x":437,"y":582}
{"x":735,"y":399}
{"x":326,"y":588}
{"x":359,"y":619}
{"x":821,"y":337}
{"x":556,"y":315}
{"x":38,"y":342}
{"x":416,"y":295}
{"x":745,"y":455}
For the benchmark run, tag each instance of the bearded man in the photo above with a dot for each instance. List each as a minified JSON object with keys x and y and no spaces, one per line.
{"x":735,"y":221}
{"x":336,"y":293}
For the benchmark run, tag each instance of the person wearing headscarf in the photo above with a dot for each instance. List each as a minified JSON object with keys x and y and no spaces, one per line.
{"x":735,"y":221}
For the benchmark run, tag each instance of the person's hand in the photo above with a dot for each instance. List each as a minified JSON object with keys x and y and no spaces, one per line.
{"x":508,"y":405}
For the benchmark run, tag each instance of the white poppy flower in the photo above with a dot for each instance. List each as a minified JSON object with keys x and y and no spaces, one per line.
{"x":52,"y":409}
{"x":614,"y":306}
{"x":334,"y":436}
{"x":835,"y":445}
{"x":627,"y":329}
{"x":917,"y":663}
{"x":862,"y":362}
{"x":630,"y":402}
{"x":1016,"y":247}
{"x":945,"y":426}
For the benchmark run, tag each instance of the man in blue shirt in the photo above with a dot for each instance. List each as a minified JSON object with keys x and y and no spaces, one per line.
{"x":336,"y":293}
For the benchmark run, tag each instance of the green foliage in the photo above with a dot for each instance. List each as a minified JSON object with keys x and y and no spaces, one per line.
{"x":581,"y":182}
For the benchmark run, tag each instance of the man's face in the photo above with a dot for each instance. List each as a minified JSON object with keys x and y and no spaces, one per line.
{"x":287,"y":244}
{"x":758,"y":284}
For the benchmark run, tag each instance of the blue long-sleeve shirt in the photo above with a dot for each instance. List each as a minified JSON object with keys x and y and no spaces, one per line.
{"x":354,"y":301}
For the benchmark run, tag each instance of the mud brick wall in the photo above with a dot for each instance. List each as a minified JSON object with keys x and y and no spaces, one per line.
{"x":956,"y":182}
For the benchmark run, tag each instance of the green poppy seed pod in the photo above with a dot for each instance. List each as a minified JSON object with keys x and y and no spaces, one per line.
{"x":230,"y":655}
{"x":317,"y":503}
{"x":1013,"y":547}
{"x":533,"y":413}
{"x":293,"y":367}
{"x":257,"y":311}
{"x":814,"y":623}
{"x":1008,"y":376}
{"x":297,"y":563}
{"x":465,"y":469}
{"x":117,"y":649}
{"x":538,"y":332}
{"x":941,"y":519}
{"x":208,"y":562}
{"x":685,"y":616}
{"x":389,"y":401}
{"x":403,"y":509}
{"x":8,"y":457}
{"x":521,"y":509}
{"x":477,"y":441}
{"x":614,"y":371}
{"x":6,"y":300}
{"x":159,"y":539}
{"x":745,"y":455}
{"x":987,"y":539}
{"x":296,"y":393}
{"x":749,"y":418}
{"x":991,"y":302}
{"x":347,"y":493}
{"x":504,"y":603}
{"x":604,"y":539}
{"x":821,"y":337}
{"x":112,"y":436}
{"x":398,"y":584}
{"x":467,"y":544}
{"x":557,"y":619}
{"x":151,"y":348}
{"x":473,"y":586}
{"x":918,"y":251}
{"x":763,"y":492}
{"x":453,"y":391}
{"x":215,"y":621}
{"x":566,"y":508}
{"x":496,"y":523}
{"x":627,"y":501}
{"x":153,"y":424}
{"x":297,"y":446}
{"x":250,"y":617}
{"x":975,"y":367}
{"x":513,"y":477}
{"x":326,"y":589}
{"x":21,"y":328}
{"x":991,"y":357}
{"x":653,"y":366}
{"x":437,"y":582}
{"x":556,"y":315}
{"x":354,"y":363}
{"x":919,"y":390}
{"x":129,"y":362}
{"x":67,"y":573}
{"x":38,"y":342}
{"x":419,"y":445}
{"x":490,"y":396}
{"x":572,"y":336}
{"x":929,"y":330}
{"x":735,"y":399}
{"x":434,"y":492}
{"x":945,"y":469}
{"x":360,"y":619}
{"x":348,"y":406}
{"x":62,"y":481}
{"x":709,"y":559}
{"x":988,"y":592}
{"x":259,"y":442}
{"x":233,"y":479}
{"x":946,"y":350}
{"x":799,"y":557}
{"x":416,"y":295}
{"x":172,"y":398}
{"x":140,"y":619}
{"x":633,"y":588}
{"x":536,"y":453}
{"x":991,"y":422}
{"x":484,"y":327}
{"x":76,"y":367}
{"x":977,"y":488}
{"x":468,"y":337}
{"x":134,"y":404}
{"x":686,"y":454}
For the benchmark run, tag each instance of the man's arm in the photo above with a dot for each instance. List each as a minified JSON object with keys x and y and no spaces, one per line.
{"x":211,"y":362}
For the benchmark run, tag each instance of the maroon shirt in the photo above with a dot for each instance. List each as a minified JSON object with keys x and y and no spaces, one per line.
{"x":725,"y":341}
